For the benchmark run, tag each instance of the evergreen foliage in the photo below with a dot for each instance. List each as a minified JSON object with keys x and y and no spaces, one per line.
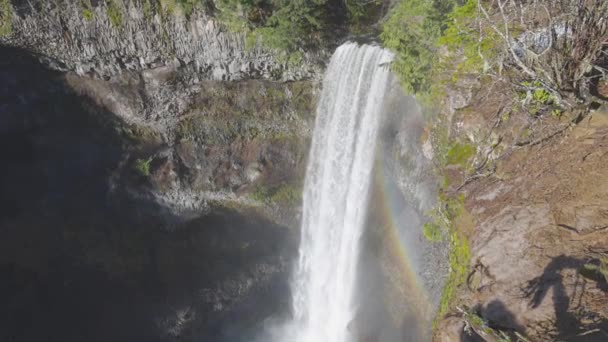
{"x":461,"y":33}
{"x":188,"y":6}
{"x":412,"y":31}
{"x":430,"y":37}
{"x":288,"y":26}
{"x":363,"y":13}
{"x":296,"y":24}
{"x":279,"y":24}
{"x":292,"y":25}
{"x":427,"y":35}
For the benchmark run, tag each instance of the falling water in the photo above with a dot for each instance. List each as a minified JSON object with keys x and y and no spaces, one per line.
{"x":336,"y":193}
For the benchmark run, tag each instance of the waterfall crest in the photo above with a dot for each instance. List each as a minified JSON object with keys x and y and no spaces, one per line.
{"x":336,"y":193}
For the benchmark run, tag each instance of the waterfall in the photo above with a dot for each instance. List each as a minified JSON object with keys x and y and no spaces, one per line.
{"x":336,"y":193}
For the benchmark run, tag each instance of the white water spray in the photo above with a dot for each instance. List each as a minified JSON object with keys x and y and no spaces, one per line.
{"x":336,"y":193}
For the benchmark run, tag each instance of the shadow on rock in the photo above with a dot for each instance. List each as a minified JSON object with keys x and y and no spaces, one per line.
{"x":81,"y":261}
{"x":498,"y":318}
{"x":568,"y":320}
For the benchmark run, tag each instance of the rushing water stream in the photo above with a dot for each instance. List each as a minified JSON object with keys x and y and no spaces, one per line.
{"x":336,"y":193}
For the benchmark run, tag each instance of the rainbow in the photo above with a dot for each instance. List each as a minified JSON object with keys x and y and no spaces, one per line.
{"x":407,"y":297}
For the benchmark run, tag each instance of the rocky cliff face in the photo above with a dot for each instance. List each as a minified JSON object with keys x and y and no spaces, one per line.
{"x":87,"y":241}
{"x":154,"y":172}
{"x":108,"y":38}
{"x":170,"y":79}
{"x":216,"y":142}
{"x":535,"y":217}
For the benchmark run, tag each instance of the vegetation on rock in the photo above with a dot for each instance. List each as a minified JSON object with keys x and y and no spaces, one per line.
{"x":447,"y":221}
{"x":459,"y":258}
{"x":459,"y":154}
{"x":142,"y":166}
{"x":600,"y":269}
{"x":284,"y":194}
{"x":411,"y":32}
{"x":432,"y":231}
{"x":475,"y":324}
{"x":282,"y":25}
{"x":6,"y":11}
{"x":86,"y":9}
{"x":511,"y":40}
{"x":114,"y":13}
{"x":362,"y":12}
{"x":287,"y":25}
{"x":541,"y":60}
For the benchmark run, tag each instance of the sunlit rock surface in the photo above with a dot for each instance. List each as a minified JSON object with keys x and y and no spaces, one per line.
{"x":68,"y":40}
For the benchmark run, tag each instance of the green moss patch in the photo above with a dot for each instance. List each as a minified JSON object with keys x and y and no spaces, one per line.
{"x":284,"y":194}
{"x":460,"y":256}
{"x":6,"y":13}
{"x":87,"y":10}
{"x":114,"y":12}
{"x":432,"y":231}
{"x":459,"y":154}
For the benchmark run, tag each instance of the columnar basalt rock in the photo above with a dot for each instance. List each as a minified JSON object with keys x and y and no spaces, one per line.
{"x":89,"y":41}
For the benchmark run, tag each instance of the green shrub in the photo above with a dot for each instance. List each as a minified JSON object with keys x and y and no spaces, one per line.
{"x":557,"y":113}
{"x":432,"y":232}
{"x":6,"y":12}
{"x":418,"y":31}
{"x":260,"y":194}
{"x":114,"y":13}
{"x":362,"y":14}
{"x":147,"y":9}
{"x":169,"y":6}
{"x":411,"y":36}
{"x":87,"y":10}
{"x":142,"y":166}
{"x":442,"y":216}
{"x":188,"y":6}
{"x":285,"y":194}
{"x":231,"y":14}
{"x":447,"y":214}
{"x":537,"y":99}
{"x":463,"y":34}
{"x":460,"y":256}
{"x":294,"y":25}
{"x":542,"y":96}
{"x":477,"y":324}
{"x":601,"y":269}
{"x":286,"y":26}
{"x":411,"y":32}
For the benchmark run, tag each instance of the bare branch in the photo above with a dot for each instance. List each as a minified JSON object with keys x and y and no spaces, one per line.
{"x":507,"y":41}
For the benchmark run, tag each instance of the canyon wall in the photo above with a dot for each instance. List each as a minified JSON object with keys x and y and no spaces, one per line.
{"x":108,"y":38}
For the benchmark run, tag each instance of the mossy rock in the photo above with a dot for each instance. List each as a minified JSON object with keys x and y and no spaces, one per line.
{"x":283,"y":194}
{"x":459,"y":154}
